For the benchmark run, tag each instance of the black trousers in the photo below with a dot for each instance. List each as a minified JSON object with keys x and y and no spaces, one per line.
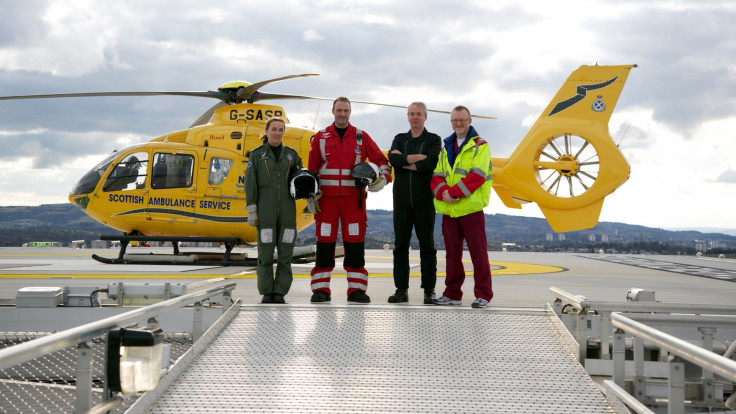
{"x":406,"y":219}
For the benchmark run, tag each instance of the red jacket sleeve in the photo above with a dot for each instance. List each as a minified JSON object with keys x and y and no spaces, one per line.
{"x":437,"y":184}
{"x":315,"y":157}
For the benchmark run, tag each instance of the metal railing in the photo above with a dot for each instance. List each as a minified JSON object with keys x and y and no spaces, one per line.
{"x":584,"y":305}
{"x":710,"y":362}
{"x":586,"y":309}
{"x":82,"y":336}
{"x":589,"y":321}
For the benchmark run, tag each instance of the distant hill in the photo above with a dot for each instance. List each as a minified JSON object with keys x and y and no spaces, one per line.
{"x":65,"y":222}
{"x":48,"y":222}
{"x":710,"y":230}
{"x":528,"y":233}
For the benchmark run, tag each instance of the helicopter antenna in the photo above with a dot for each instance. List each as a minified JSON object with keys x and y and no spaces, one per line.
{"x":314,"y":125}
{"x":173,"y":128}
{"x":623,"y":135}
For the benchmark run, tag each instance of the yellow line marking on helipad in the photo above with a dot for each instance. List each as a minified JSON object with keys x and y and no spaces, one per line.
{"x":114,"y":275}
{"x":497,"y":269}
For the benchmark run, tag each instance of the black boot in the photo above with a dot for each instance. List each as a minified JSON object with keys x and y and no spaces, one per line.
{"x":359,"y":296}
{"x":428,"y":296}
{"x":320,"y":296}
{"x":401,"y":295}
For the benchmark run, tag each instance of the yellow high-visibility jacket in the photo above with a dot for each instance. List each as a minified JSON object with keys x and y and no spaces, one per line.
{"x":469,"y":178}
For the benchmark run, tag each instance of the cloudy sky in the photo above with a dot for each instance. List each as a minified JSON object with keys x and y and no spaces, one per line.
{"x":675,"y":121}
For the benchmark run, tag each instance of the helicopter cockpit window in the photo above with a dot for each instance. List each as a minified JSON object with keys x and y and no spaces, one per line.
{"x":89,"y":181}
{"x":219,"y":167}
{"x":129,"y":174}
{"x":172,"y":170}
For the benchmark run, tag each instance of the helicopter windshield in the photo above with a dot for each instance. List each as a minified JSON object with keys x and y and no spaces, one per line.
{"x":89,"y":181}
{"x":129,"y":174}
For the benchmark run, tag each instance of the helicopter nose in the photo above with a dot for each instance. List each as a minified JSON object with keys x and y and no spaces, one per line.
{"x":79,"y":201}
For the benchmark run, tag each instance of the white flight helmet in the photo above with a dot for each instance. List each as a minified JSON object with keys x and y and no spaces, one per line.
{"x":303,"y":184}
{"x":365,"y":174}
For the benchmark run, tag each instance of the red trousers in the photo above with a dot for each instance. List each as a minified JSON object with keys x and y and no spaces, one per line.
{"x":347,"y":213}
{"x":470,"y":228}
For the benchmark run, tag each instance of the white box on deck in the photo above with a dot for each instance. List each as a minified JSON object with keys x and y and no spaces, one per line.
{"x":38,"y":297}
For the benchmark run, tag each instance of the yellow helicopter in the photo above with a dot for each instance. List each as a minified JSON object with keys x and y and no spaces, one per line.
{"x":189,"y":185}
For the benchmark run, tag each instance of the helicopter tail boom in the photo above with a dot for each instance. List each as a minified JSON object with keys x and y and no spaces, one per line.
{"x":567,"y":163}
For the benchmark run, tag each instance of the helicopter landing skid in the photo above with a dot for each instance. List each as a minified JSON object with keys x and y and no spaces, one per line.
{"x":192,"y":258}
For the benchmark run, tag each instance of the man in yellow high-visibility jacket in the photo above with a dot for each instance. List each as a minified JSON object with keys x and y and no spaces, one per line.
{"x":462,"y":188}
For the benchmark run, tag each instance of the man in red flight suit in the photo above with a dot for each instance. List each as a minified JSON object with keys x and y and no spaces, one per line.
{"x":334,"y":152}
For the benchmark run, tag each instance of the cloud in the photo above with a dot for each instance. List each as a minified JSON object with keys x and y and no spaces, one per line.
{"x":312,"y":35}
{"x":505,"y":59}
{"x":728,"y":177}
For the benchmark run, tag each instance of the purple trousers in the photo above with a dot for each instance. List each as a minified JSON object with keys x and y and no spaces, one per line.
{"x":470,"y":228}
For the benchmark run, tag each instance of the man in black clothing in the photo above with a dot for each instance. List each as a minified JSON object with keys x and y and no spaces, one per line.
{"x":414,"y":156}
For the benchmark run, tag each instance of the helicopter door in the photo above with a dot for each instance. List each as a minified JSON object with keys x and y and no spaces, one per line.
{"x":173,"y":188}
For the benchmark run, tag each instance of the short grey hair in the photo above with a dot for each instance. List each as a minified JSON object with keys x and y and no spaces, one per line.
{"x":419,"y":104}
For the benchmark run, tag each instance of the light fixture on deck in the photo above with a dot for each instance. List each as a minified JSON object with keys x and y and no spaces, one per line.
{"x":134,"y":359}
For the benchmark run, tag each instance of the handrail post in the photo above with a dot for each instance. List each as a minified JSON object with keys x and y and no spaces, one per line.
{"x":83,"y":399}
{"x":605,"y":330}
{"x":640,"y":379}
{"x":676,"y":387}
{"x":707,"y":383}
{"x":619,"y":358}
{"x":557,"y":306}
{"x":197,"y":323}
{"x":227,"y":301}
{"x":581,"y":335}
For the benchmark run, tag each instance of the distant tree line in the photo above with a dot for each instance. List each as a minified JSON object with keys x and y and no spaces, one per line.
{"x":65,"y":222}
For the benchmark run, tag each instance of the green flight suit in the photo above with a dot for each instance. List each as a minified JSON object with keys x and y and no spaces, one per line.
{"x":267,"y":186}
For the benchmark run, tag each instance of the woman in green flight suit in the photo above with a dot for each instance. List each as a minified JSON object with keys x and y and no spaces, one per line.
{"x":272,"y":209}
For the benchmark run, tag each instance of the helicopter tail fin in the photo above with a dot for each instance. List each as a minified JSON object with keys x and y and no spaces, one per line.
{"x":567,"y":163}
{"x":590,"y":92}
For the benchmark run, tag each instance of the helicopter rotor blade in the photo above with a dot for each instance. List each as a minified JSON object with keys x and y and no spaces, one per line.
{"x":207,"y":94}
{"x":246,"y":92}
{"x":262,"y":96}
{"x":249,"y":93}
{"x":205,"y":117}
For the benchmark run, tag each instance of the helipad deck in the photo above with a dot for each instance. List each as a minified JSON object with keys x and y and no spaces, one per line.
{"x":376,"y":359}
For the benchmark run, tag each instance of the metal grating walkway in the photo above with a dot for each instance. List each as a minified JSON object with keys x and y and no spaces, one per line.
{"x":377,"y":359}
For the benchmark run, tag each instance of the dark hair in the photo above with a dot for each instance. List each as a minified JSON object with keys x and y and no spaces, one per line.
{"x":264,"y":137}
{"x":340,"y":99}
{"x":462,"y":108}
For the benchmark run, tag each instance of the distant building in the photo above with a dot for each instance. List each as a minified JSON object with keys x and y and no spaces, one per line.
{"x":716,"y":244}
{"x":701,"y":245}
{"x":604,"y":238}
{"x":591,"y":237}
{"x":550,"y":237}
{"x":78,"y":244}
{"x":99,"y":244}
{"x":42,"y":244}
{"x":561,"y":237}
